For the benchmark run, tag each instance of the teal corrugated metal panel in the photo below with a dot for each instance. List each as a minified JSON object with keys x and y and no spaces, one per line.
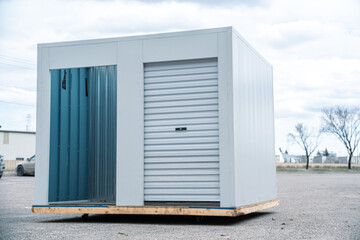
{"x":102,"y":130}
{"x":112,"y":122}
{"x":64,"y":136}
{"x":68,"y":173}
{"x":83,"y":135}
{"x":74,"y":134}
{"x":92,"y":150}
{"x":54,"y":136}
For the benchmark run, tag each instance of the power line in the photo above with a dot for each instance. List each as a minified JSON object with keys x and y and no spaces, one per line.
{"x":17,"y":62}
{"x":16,"y":59}
{"x":31,"y":105}
{"x":18,"y":66}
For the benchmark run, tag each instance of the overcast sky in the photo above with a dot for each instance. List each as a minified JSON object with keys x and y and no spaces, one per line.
{"x":314,"y":47}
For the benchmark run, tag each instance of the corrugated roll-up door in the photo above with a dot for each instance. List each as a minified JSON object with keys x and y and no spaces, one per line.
{"x":181,"y":131}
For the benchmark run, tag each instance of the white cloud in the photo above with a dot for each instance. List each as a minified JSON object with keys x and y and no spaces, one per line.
{"x":17,"y":95}
{"x":314,"y":46}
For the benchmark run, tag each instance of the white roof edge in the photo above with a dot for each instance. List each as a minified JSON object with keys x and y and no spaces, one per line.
{"x":249,"y":46}
{"x":18,"y":131}
{"x":135,"y":37}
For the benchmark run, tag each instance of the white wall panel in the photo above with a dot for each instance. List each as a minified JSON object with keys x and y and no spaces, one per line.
{"x":255,"y":173}
{"x":226,"y":121}
{"x":42,"y":127}
{"x":180,"y":48}
{"x":91,"y":55}
{"x":130,"y":125}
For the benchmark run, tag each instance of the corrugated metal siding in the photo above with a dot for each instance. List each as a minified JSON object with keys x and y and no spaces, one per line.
{"x":255,"y":169}
{"x":181,"y":165}
{"x":102,"y":134}
{"x":83,"y":134}
{"x":68,"y":173}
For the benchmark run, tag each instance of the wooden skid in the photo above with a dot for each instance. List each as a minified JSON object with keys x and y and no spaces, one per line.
{"x":158,"y":210}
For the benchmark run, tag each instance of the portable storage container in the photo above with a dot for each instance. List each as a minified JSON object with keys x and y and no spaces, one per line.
{"x":173,"y":123}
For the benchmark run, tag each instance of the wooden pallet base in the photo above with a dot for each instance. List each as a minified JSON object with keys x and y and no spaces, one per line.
{"x":157,"y":210}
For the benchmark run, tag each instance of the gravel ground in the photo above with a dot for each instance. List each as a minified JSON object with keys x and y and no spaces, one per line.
{"x":313,"y":206}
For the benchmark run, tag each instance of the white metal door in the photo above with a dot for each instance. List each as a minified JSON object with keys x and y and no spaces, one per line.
{"x":182,"y":131}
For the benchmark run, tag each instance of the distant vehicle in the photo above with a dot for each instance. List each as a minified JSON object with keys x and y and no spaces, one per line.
{"x":2,"y":165}
{"x":26,"y":167}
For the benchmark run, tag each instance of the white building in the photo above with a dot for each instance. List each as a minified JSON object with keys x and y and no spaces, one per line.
{"x":17,"y":145}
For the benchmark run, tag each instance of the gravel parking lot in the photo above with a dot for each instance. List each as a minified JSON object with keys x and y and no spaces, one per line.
{"x":313,"y":206}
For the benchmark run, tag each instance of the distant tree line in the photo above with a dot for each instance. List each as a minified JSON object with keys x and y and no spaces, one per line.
{"x":341,"y":122}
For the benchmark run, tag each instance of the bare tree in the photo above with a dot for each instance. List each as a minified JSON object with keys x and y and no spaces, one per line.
{"x":306,"y":139}
{"x":344,"y":123}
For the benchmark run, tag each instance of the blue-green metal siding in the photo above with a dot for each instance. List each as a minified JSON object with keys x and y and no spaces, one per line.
{"x":68,"y":171}
{"x":54,"y":136}
{"x":102,"y":130}
{"x":83,"y":134}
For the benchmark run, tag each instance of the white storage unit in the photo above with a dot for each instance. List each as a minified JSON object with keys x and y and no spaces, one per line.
{"x":194,"y":121}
